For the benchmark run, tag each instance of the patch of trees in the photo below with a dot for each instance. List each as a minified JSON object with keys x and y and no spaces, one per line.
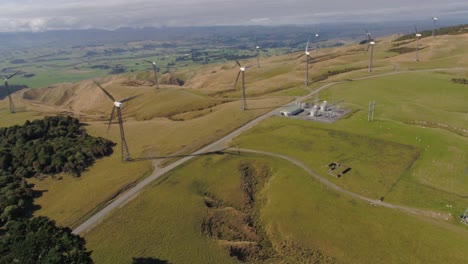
{"x":99,"y":66}
{"x":15,"y":198}
{"x":49,"y":146}
{"x":118,"y":69}
{"x":39,"y":240}
{"x":460,"y":80}
{"x":91,"y":53}
{"x":29,"y":75}
{"x":17,"y":61}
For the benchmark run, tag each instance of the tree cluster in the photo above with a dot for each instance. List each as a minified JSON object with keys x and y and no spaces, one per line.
{"x":39,"y":240}
{"x":49,"y":146}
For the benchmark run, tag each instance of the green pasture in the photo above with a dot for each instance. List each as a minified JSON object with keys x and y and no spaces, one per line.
{"x":297,"y":214}
{"x":426,"y":164}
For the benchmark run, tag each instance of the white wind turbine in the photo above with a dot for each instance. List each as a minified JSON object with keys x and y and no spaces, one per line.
{"x":242,"y":70}
{"x":434,"y":24}
{"x":155,"y":68}
{"x":117,"y":105}
{"x":418,"y":36}
{"x":370,"y":44}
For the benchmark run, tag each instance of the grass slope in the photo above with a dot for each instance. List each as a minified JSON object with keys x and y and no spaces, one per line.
{"x":296,"y":212}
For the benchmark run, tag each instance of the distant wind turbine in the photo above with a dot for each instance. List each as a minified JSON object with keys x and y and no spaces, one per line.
{"x":155,"y":68}
{"x":257,"y":51}
{"x":418,"y":36}
{"x":316,"y":40}
{"x":242,"y":70}
{"x":12,"y":106}
{"x":307,"y":54}
{"x":117,"y":105}
{"x":434,"y":24}
{"x":370,"y":44}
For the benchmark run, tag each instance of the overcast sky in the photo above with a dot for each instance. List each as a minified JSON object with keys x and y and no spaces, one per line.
{"x":40,"y":15}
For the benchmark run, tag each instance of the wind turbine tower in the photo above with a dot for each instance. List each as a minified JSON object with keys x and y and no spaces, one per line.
{"x":418,"y":36}
{"x":242,"y":71}
{"x":307,"y":54}
{"x":117,"y":105}
{"x":12,"y":106}
{"x":434,"y":24}
{"x":155,"y":68}
{"x":257,"y":50}
{"x":370,"y":45}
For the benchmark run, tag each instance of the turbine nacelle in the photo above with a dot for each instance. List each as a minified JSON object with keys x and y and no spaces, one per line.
{"x":435,"y":18}
{"x":371,"y":43}
{"x":118,"y":104}
{"x":418,"y":35}
{"x":242,"y":69}
{"x":257,"y":47}
{"x":307,"y":53}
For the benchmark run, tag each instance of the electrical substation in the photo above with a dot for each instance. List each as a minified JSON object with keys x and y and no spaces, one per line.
{"x":321,"y":111}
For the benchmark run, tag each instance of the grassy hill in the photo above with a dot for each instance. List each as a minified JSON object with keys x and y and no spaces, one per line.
{"x":413,"y":155}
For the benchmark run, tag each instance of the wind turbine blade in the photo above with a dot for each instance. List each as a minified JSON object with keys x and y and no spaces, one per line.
{"x":106,"y":92}
{"x":148,"y":61}
{"x":256,"y":43}
{"x":249,"y":66}
{"x":238,"y":63}
{"x":415,"y":29}
{"x":129,"y":98}
{"x":368,"y":46}
{"x":9,"y":77}
{"x":307,"y":46}
{"x":368,"y":35}
{"x":237,"y":79}
{"x":110,"y":119}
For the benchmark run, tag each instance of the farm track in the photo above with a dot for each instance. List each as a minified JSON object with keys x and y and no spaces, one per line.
{"x":220,"y":143}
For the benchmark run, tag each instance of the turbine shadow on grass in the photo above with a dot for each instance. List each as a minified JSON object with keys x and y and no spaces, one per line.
{"x":261,"y":108}
{"x":216,"y":152}
{"x":149,"y":261}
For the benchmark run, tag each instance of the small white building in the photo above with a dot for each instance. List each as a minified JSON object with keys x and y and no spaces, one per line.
{"x":291,"y":110}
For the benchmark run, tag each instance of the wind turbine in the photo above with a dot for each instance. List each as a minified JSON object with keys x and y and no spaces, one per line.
{"x":307,"y":54}
{"x":242,"y":70}
{"x":257,"y":50}
{"x":316,"y":39}
{"x":434,"y":21}
{"x":118,"y":105}
{"x":418,"y":36}
{"x":370,"y":44}
{"x":156,"y":83}
{"x":12,"y":106}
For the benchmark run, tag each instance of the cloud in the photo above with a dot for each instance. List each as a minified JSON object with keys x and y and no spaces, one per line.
{"x":39,"y":15}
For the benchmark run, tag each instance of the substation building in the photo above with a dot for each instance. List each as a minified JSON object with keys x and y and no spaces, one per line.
{"x":291,"y":110}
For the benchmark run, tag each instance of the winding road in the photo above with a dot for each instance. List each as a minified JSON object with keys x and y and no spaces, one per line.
{"x":337,"y":188}
{"x":220,"y":143}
